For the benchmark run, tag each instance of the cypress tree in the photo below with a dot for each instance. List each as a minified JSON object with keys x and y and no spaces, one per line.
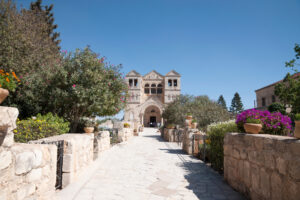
{"x":221,"y":102}
{"x":236,"y":104}
{"x":46,"y":13}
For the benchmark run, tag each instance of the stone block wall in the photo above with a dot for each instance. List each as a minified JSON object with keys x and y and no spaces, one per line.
{"x":191,"y":140}
{"x":263,"y":166}
{"x":172,"y":135}
{"x":27,"y":171}
{"x":78,"y":154}
{"x":101,"y":143}
{"x":125,"y":134}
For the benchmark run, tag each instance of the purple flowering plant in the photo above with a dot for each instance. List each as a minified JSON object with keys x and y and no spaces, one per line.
{"x":273,"y":123}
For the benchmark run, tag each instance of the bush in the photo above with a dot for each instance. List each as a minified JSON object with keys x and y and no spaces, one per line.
{"x":126,"y":125}
{"x":203,"y":110}
{"x":216,"y":133}
{"x":297,"y":117}
{"x":277,"y":107}
{"x":38,"y":127}
{"x":273,"y":123}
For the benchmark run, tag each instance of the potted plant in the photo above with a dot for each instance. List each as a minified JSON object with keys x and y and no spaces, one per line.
{"x":194,"y":124}
{"x":189,"y":116}
{"x":170,"y":126}
{"x":297,"y":126}
{"x":126,"y":125}
{"x":252,"y":125}
{"x":135,"y":132}
{"x":89,"y":126}
{"x":8,"y":82}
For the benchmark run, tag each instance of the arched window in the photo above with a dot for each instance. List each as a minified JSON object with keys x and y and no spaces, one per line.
{"x":153,"y":89}
{"x":159,"y":88}
{"x":147,"y":89}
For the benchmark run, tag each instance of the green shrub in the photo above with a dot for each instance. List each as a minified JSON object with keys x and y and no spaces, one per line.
{"x":253,"y":121}
{"x":277,"y":107}
{"x":216,"y":133}
{"x":38,"y":127}
{"x":297,"y":117}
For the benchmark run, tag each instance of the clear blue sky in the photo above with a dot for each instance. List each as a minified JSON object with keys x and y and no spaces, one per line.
{"x":218,"y":46}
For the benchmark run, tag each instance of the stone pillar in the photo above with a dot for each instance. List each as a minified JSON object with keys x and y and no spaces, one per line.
{"x":8,"y":118}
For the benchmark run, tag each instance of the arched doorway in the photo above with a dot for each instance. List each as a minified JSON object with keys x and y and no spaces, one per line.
{"x":152,"y":116}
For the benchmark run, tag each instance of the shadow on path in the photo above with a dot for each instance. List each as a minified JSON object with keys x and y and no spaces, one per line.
{"x":205,"y":183}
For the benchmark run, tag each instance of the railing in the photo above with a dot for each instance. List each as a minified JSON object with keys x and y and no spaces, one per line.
{"x":113,"y":134}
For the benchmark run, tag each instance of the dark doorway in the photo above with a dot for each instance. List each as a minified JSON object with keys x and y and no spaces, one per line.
{"x":152,"y":121}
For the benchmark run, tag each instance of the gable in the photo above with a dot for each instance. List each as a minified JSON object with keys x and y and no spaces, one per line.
{"x":153,"y":75}
{"x":133,"y":73}
{"x":173,"y":73}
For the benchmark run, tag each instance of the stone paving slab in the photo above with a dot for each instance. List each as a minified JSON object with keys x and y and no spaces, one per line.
{"x":147,"y":168}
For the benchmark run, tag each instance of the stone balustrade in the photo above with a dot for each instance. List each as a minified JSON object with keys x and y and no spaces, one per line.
{"x":172,"y":135}
{"x":263,"y":166}
{"x":101,"y":143}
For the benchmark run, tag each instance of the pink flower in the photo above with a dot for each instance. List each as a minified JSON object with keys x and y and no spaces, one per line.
{"x":73,"y":85}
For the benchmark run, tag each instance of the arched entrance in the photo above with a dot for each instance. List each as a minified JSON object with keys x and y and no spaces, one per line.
{"x":152,"y":116}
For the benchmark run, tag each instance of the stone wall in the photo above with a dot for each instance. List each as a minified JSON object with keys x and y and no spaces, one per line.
{"x":263,"y":166}
{"x":101,"y":143}
{"x":191,"y":140}
{"x":125,"y":134}
{"x":172,"y":135}
{"x":78,"y":154}
{"x":27,"y":171}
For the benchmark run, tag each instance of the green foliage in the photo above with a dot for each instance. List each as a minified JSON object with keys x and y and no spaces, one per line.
{"x":221,"y":102}
{"x":253,"y":121}
{"x":297,"y":117}
{"x":126,"y":125}
{"x":277,"y":107}
{"x":216,"y":133}
{"x":236,"y":104}
{"x":40,"y":127}
{"x":90,"y":123}
{"x":292,"y":63}
{"x":203,"y":110}
{"x":288,"y":92}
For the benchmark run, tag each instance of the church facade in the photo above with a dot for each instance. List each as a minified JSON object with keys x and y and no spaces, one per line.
{"x":148,"y":96}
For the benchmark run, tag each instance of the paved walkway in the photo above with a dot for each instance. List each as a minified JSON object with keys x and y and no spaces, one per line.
{"x":147,"y":168}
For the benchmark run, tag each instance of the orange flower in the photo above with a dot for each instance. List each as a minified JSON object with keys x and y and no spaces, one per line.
{"x":7,"y":80}
{"x":0,"y":85}
{"x":14,"y":74}
{"x":7,"y":74}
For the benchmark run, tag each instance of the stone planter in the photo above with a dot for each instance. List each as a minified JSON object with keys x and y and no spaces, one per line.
{"x":194,"y":125}
{"x":297,"y":129}
{"x":252,"y":128}
{"x":3,"y":94}
{"x":88,"y":129}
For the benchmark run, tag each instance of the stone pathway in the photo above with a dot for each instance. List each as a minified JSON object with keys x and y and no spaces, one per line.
{"x":147,"y":168}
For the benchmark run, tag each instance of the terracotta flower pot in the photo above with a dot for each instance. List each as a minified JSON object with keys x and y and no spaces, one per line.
{"x":88,"y":129}
{"x":188,"y":123}
{"x":189,"y":117}
{"x":252,"y":128}
{"x":3,"y":94}
{"x":194,"y":125}
{"x":297,"y":129}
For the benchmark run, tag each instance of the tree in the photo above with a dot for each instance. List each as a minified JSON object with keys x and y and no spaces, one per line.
{"x":82,"y":85}
{"x":45,"y":12}
{"x":288,"y":90}
{"x":221,"y":102}
{"x":236,"y":104}
{"x":204,"y":111}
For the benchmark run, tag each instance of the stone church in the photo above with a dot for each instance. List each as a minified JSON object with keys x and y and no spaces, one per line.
{"x":148,"y":95}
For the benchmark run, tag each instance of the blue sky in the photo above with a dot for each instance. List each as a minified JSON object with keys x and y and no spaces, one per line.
{"x":218,"y":46}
